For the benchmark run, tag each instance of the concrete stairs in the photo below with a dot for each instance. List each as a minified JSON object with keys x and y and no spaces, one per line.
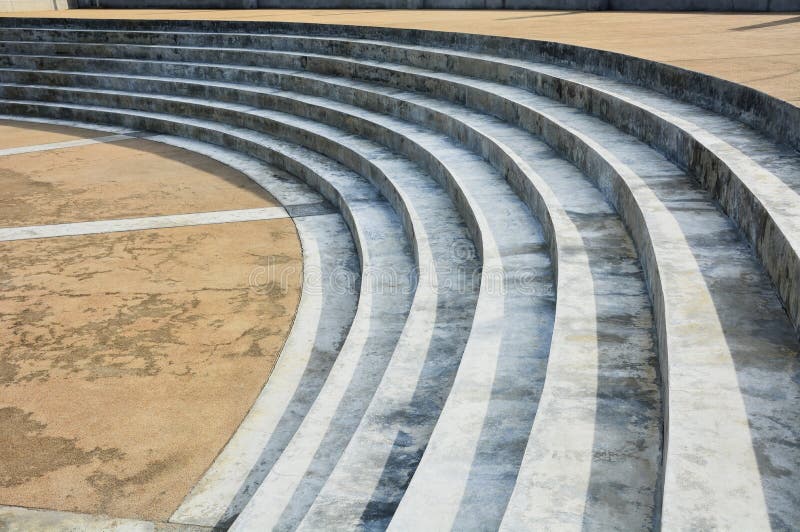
{"x":577,"y":293}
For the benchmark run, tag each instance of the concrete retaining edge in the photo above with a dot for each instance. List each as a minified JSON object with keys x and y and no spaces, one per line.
{"x":778,"y":119}
{"x":588,"y":5}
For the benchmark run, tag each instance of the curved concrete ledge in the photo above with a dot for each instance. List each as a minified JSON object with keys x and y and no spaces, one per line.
{"x":761,"y":208}
{"x":411,"y":333}
{"x":718,"y":363}
{"x":520,"y":176}
{"x":774,"y":117}
{"x":478,"y":350}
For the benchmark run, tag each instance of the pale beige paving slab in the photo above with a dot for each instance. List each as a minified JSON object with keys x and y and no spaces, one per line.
{"x":16,"y":134}
{"x":124,"y":179}
{"x":127,"y":360}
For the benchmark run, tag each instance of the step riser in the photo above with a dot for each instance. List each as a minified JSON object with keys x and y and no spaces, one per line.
{"x":779,"y":256}
{"x":779,"y":120}
{"x":500,"y":158}
{"x":596,"y":165}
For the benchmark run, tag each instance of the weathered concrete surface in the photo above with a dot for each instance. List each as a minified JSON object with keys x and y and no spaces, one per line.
{"x":770,"y":114}
{"x":126,"y":179}
{"x":758,"y":50}
{"x":705,"y":289}
{"x":129,"y":359}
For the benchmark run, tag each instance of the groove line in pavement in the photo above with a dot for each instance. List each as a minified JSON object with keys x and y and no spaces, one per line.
{"x":138,"y":224}
{"x":71,"y":143}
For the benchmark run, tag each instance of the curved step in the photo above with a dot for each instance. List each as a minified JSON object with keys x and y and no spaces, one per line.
{"x":779,"y":360}
{"x":408,"y":399}
{"x":645,"y":514}
{"x":282,"y":493}
{"x":756,"y":182}
{"x":720,"y":322}
{"x":305,"y":361}
{"x":640,"y":401}
{"x":497,"y":369}
{"x":777,"y":354}
{"x":742,"y":439}
{"x":775,"y":117}
{"x":519,"y":374}
{"x":675,"y":267}
{"x":283,"y":501}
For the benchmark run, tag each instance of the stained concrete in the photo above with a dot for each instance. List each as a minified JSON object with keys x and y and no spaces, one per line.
{"x":129,"y":359}
{"x":541,"y":78}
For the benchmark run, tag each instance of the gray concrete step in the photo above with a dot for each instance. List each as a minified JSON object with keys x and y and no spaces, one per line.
{"x":637,"y":405}
{"x":562,"y":176}
{"x":776,"y":118}
{"x":728,"y":352}
{"x":453,"y":359}
{"x":751,"y":176}
{"x":516,"y":372}
{"x":324,"y":317}
{"x":722,"y":323}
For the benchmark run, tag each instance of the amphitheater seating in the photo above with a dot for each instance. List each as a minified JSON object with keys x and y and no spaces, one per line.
{"x":577,"y":273}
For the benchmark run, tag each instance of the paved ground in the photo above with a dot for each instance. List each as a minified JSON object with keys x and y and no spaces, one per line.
{"x":760,"y":50}
{"x":122,"y":179}
{"x":129,"y":358}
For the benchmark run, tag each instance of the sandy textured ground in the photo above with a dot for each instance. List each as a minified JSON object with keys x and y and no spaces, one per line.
{"x":15,"y":134}
{"x":760,"y":50}
{"x":125,"y":179}
{"x":127,"y":360}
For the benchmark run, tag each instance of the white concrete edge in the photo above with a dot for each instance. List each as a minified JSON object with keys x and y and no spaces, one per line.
{"x":138,"y":224}
{"x":66,"y":144}
{"x":407,"y":360}
{"x":19,"y":519}
{"x":210,"y":497}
